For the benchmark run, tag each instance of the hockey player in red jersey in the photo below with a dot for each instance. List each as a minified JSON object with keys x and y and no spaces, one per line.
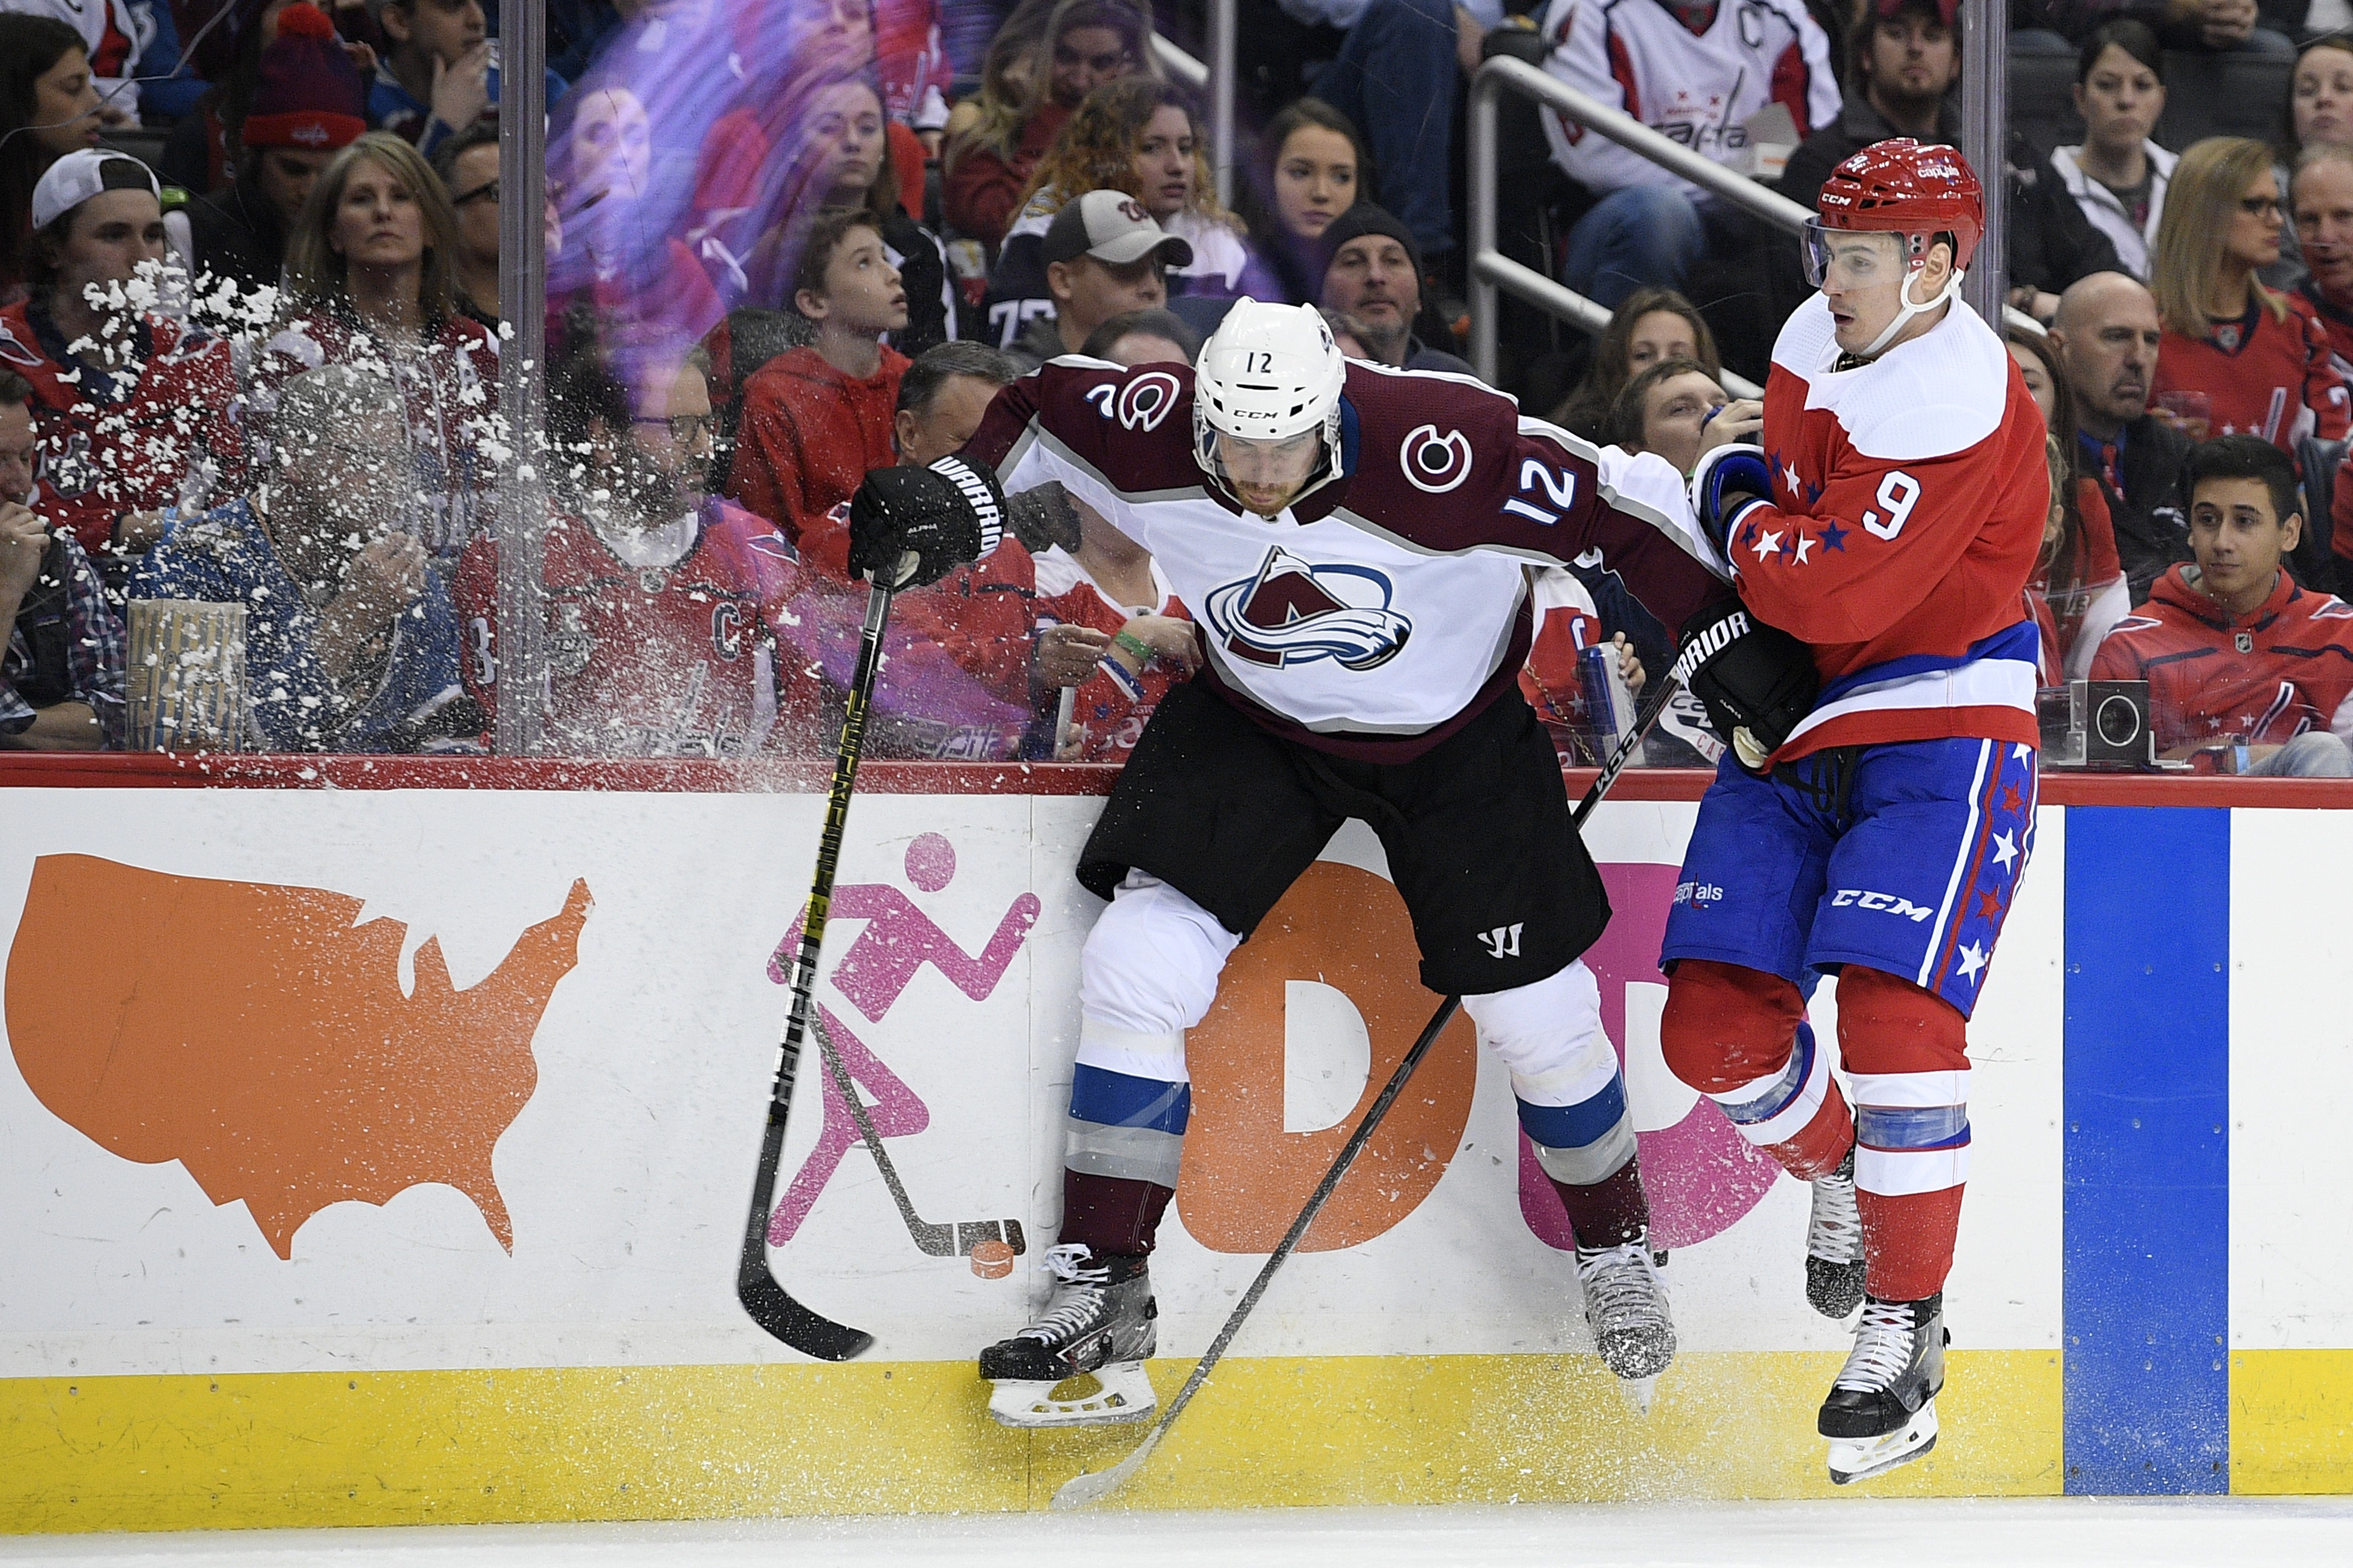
{"x":1345,"y":536}
{"x":656,"y":643}
{"x":1890,"y":522}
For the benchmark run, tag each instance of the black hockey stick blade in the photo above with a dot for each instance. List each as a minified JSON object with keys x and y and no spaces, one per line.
{"x":769,"y":1304}
{"x":1093,"y":1487}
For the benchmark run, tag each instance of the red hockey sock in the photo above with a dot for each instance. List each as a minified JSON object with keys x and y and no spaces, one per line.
{"x":1732,"y":1033}
{"x":1907,"y":1242}
{"x":1112,"y":1214}
{"x":1907,"y":1052}
{"x":1612,"y":1210}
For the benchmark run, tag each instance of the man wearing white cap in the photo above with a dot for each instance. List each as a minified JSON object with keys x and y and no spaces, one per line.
{"x":133,"y":408}
{"x":1104,"y":256}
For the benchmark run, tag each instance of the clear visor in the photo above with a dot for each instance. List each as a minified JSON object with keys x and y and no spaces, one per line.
{"x":1850,"y":258}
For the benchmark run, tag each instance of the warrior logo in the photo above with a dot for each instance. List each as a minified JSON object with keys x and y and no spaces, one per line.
{"x":1142,"y":403}
{"x":1434,"y":463}
{"x":1291,"y":613}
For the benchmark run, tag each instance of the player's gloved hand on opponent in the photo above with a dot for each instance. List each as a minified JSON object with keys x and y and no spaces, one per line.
{"x":1756,"y":682}
{"x":913,"y":526}
{"x":1728,"y":480}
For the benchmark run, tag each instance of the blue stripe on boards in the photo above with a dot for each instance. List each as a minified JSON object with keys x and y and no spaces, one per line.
{"x":2147,"y":1157}
{"x":1115,"y":1099}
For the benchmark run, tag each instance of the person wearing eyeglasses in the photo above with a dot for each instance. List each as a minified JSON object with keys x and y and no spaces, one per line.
{"x":467,"y":163}
{"x":2237,"y":357}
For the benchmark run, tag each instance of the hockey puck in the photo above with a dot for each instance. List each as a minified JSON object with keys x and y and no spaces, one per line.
{"x":992,"y":1259}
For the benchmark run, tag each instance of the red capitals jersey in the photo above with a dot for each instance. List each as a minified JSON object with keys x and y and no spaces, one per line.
{"x":1908,"y":500}
{"x":1567,"y":624}
{"x":2269,"y":676}
{"x":162,"y":426}
{"x":1111,"y":706}
{"x":2262,"y":375}
{"x":1385,"y":609}
{"x":657,"y":645}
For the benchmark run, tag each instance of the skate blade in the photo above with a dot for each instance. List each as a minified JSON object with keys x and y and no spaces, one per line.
{"x":1859,"y":1458}
{"x":1639,"y":1392}
{"x":1114,"y":1394}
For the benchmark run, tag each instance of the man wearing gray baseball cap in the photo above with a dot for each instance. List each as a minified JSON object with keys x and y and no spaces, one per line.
{"x":1103,"y":257}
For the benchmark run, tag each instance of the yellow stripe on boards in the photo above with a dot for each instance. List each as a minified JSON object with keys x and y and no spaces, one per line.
{"x":2291,"y":1421}
{"x":537,"y":1445}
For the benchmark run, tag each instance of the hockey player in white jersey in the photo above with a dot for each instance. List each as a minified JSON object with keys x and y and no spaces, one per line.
{"x":1350,"y":540}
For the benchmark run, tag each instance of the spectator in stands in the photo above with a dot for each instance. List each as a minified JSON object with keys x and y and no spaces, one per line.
{"x":1663,"y":409}
{"x":1649,"y":325}
{"x":2323,"y":193}
{"x":1373,"y":277}
{"x":203,"y":152}
{"x":2237,"y":357}
{"x":816,"y":419}
{"x":48,"y":107}
{"x":1105,"y":255}
{"x":2231,"y":648}
{"x":1085,"y":43}
{"x":60,"y":644}
{"x":135,"y":410}
{"x":351,"y":643}
{"x":1005,"y":70}
{"x":2107,"y":335}
{"x":468,"y":164}
{"x":657,"y":641}
{"x":2212,"y":26}
{"x":1135,"y":136}
{"x":369,"y":274}
{"x":437,"y":77}
{"x":1313,"y":168}
{"x":1143,"y":337}
{"x":2118,"y":175}
{"x":308,"y":100}
{"x":1904,"y":68}
{"x":2319,"y":105}
{"x":2078,"y":589}
{"x":640,"y":282}
{"x":111,"y":38}
{"x":1696,"y":73}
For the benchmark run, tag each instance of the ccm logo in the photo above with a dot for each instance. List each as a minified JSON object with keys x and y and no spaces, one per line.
{"x":1708,"y":643}
{"x":1885,"y":903}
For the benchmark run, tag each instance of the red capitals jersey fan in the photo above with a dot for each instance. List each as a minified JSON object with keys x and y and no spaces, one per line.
{"x":1111,"y":707}
{"x":2270,"y":373}
{"x":1908,"y":500}
{"x":657,"y":645}
{"x":1383,"y":610}
{"x":2269,"y":676}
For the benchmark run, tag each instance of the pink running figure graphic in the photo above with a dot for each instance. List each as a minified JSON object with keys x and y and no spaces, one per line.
{"x":897,"y":940}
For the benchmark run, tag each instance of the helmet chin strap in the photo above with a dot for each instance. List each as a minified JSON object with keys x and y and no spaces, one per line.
{"x":1952,"y":290}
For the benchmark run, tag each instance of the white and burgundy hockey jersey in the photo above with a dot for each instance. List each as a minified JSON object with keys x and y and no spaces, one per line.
{"x":1908,"y":500}
{"x":1698,"y":89}
{"x":1389,"y":608}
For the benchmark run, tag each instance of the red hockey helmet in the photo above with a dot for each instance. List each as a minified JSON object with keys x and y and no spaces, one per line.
{"x":1899,"y":186}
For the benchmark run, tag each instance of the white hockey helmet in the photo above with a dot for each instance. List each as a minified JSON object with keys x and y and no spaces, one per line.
{"x":1267,"y":373}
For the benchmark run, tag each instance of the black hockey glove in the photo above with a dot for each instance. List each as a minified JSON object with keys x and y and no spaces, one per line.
{"x":913,"y":526}
{"x":1756,"y":682}
{"x":1043,"y":518}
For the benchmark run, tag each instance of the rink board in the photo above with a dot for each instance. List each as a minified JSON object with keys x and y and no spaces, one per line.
{"x":2144,"y":1300}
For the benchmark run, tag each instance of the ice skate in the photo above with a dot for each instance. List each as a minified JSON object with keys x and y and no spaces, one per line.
{"x":1626,"y":1306}
{"x":1099,"y":1323}
{"x":1834,"y":1244}
{"x":1881,"y":1411}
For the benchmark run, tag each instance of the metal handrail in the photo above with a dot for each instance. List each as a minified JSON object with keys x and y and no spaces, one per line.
{"x":1181,"y":68}
{"x":1214,"y":78}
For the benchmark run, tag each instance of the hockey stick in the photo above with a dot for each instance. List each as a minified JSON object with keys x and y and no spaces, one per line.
{"x":932,"y":1240}
{"x":1089,"y":1486}
{"x":770,"y":1305}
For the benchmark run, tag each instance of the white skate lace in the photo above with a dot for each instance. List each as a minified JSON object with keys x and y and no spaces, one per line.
{"x":1619,"y":1284}
{"x":1835,"y":1231}
{"x":1883,"y":1348}
{"x":1078,"y":1295}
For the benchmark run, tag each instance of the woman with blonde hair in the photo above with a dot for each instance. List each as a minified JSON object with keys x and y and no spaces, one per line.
{"x":371,"y":282}
{"x":1026,"y":99}
{"x":2237,"y":357}
{"x":1137,"y":136}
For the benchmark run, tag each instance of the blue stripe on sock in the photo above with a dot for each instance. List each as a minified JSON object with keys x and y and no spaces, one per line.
{"x":1782,"y":1090}
{"x":1574,"y":1126}
{"x":1115,"y":1099}
{"x":1911,"y":1126}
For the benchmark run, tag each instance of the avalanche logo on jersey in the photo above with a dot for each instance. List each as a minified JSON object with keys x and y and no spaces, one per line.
{"x":1291,"y":612}
{"x":1142,"y":403}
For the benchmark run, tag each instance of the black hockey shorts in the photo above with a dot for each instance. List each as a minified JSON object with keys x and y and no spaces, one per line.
{"x":1500,"y":888}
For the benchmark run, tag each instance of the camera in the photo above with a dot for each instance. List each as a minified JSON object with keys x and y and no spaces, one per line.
{"x":2097,"y":725}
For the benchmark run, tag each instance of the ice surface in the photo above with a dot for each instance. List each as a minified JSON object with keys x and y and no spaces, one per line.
{"x":2279,"y":1532}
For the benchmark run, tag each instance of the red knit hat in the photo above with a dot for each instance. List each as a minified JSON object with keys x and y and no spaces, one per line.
{"x":310,"y":95}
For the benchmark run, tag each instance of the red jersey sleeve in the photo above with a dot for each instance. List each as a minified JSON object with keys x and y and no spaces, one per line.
{"x":474,"y":590}
{"x":765,"y":477}
{"x":2324,"y":392}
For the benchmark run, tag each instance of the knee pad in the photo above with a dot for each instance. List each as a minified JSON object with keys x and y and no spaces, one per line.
{"x":1907,"y":1063}
{"x":1572,"y":1098}
{"x":1151,"y":964}
{"x":1727,"y":1026}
